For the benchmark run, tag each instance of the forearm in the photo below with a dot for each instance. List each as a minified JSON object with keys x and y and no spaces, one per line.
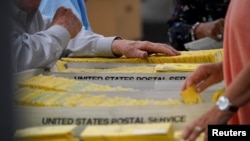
{"x":38,"y":50}
{"x":239,"y":90}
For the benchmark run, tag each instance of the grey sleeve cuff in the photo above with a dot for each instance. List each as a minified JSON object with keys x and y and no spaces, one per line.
{"x":104,"y":46}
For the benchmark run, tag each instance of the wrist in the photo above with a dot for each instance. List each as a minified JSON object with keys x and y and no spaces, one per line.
{"x":224,"y":104}
{"x":115,"y":47}
{"x":193,"y":29}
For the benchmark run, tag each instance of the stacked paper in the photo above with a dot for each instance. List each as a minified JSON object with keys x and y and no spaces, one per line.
{"x":46,"y":133}
{"x":129,"y":132}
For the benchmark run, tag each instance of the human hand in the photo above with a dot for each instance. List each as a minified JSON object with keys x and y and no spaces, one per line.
{"x":212,"y":117}
{"x":212,"y":29}
{"x":66,"y":18}
{"x":141,"y":49}
{"x":204,"y":76}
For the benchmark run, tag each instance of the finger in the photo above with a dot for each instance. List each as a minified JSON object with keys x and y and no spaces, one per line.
{"x":184,"y":86}
{"x":204,"y":84}
{"x":68,"y":12}
{"x":137,"y":54}
{"x":170,"y":50}
{"x":142,"y":54}
{"x":190,"y":81}
{"x":219,"y":37}
{"x":61,"y":8}
{"x":60,"y":12}
{"x":220,"y":30}
{"x":193,"y":80}
{"x":187,"y":132}
{"x":221,"y":27}
{"x":196,"y":131}
{"x":206,"y":135}
{"x":216,"y":35}
{"x":159,"y":48}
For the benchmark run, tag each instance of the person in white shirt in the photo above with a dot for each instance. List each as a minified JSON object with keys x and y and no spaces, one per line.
{"x":38,"y":42}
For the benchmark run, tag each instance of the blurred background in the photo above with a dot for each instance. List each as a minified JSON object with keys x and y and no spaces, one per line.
{"x":131,"y":19}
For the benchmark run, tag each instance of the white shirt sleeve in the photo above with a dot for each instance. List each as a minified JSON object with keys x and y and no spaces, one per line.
{"x":89,"y":44}
{"x":34,"y":45}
